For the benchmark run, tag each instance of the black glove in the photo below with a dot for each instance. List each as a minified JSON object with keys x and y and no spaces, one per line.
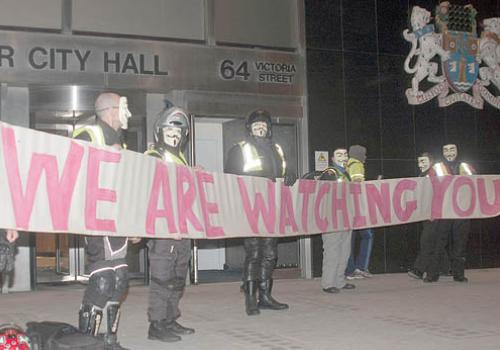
{"x":290,"y":179}
{"x":7,"y":252}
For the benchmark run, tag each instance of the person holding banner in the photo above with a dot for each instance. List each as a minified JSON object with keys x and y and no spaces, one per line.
{"x":428,"y":236}
{"x":357,"y":266}
{"x":106,"y":256}
{"x":258,"y":155}
{"x":169,"y":258}
{"x":336,"y":245}
{"x":7,"y":250}
{"x":455,"y":232}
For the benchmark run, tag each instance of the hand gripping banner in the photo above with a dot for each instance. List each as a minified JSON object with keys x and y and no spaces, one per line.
{"x":50,"y":183}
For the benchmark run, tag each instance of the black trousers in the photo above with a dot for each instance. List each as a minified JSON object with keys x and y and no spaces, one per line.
{"x":261,"y":257}
{"x":168,"y":261}
{"x":452,"y":235}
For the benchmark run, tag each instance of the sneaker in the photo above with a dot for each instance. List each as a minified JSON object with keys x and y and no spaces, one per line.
{"x":364,"y":274}
{"x":353,"y":277}
{"x":415,"y":273}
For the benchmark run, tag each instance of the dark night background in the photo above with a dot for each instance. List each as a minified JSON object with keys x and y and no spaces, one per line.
{"x":356,"y":87}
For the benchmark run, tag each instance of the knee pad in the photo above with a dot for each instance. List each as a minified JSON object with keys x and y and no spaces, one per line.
{"x":121,"y":284}
{"x":100,"y":289}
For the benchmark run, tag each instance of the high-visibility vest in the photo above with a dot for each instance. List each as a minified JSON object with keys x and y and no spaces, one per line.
{"x":252,"y":160}
{"x":167,"y":156}
{"x":95,"y":132}
{"x":356,"y":170}
{"x":442,"y":169}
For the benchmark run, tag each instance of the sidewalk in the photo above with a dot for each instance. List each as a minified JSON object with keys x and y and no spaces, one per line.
{"x":386,"y":312}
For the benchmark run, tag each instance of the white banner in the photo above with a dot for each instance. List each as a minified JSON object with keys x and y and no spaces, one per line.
{"x":51,"y":183}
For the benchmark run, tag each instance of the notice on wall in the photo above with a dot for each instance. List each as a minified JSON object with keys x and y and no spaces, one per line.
{"x":320,"y":160}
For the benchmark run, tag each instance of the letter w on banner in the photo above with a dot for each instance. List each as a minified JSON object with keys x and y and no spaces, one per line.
{"x":50,"y":183}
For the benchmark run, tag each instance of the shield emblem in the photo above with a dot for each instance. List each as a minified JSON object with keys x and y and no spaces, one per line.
{"x":462,"y":68}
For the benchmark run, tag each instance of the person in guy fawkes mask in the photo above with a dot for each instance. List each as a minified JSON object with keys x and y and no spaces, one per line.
{"x":336,"y":245}
{"x":452,"y":233}
{"x":428,"y":237}
{"x":258,"y":155}
{"x":169,"y":258}
{"x":106,"y":255}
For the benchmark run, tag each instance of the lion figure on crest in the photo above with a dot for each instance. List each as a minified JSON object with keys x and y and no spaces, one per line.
{"x":489,"y":52}
{"x":425,"y":44}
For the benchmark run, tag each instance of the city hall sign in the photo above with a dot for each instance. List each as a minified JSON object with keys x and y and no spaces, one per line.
{"x":469,"y":69}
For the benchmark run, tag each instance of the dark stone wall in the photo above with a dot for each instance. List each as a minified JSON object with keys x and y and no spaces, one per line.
{"x":356,"y":87}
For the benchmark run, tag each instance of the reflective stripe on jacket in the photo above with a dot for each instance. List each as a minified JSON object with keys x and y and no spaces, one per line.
{"x":252,"y":160}
{"x":94,"y":131}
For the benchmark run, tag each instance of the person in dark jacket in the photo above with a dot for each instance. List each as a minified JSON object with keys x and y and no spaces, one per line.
{"x":258,"y":155}
{"x":168,"y":258}
{"x":106,"y":255}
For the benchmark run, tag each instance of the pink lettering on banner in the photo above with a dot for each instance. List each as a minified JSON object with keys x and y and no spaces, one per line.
{"x":486,"y":208}
{"x":59,"y":192}
{"x":440,"y":185}
{"x":306,"y":187}
{"x":259,"y":208}
{"x":404,"y":213}
{"x":322,"y":223}
{"x":460,"y":182}
{"x":380,"y":200}
{"x":160,"y":182}
{"x":287,"y":214}
{"x":186,"y":199}
{"x":340,"y":204}
{"x":207,"y":207}
{"x":358,"y":220}
{"x":94,"y":193}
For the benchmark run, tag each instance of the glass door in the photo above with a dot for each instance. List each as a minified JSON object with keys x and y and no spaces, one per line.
{"x":222,"y":260}
{"x":60,"y":110}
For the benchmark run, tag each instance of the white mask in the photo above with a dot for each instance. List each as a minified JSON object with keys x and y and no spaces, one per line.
{"x":450,"y":152}
{"x":172,"y":136}
{"x":259,"y":129}
{"x":424,"y":163}
{"x":123,"y":112}
{"x":340,"y":157}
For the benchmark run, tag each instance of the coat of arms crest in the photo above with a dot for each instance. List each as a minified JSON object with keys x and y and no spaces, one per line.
{"x":469,"y":69}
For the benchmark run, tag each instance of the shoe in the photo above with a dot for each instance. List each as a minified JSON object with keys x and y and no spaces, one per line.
{"x":460,"y":279}
{"x":331,"y":290}
{"x":266,"y":301}
{"x":178,"y":329}
{"x":415,"y":273}
{"x":430,"y":279}
{"x":157,"y":331}
{"x":353,"y":277}
{"x":250,"y":290}
{"x":364,"y":274}
{"x":349,"y":286}
{"x":111,"y":343}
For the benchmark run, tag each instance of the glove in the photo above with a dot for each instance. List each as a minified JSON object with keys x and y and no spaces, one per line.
{"x":290,"y":179}
{"x":7,"y":251}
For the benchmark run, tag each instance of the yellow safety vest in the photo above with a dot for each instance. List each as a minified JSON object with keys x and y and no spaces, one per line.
{"x":356,"y":170}
{"x":463,"y":169}
{"x":95,"y":132}
{"x":168,"y":157}
{"x":252,"y":159}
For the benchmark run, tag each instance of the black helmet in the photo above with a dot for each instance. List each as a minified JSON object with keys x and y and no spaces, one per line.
{"x":174,"y":117}
{"x":259,"y":115}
